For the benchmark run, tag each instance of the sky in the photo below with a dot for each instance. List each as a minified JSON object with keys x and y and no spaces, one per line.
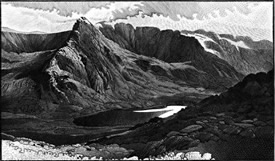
{"x":253,"y":19}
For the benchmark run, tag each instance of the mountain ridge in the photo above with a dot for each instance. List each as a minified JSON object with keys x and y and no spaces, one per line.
{"x":85,"y":66}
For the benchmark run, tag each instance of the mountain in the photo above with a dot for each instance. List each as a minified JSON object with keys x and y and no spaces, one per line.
{"x":6,"y":29}
{"x":77,"y":68}
{"x":237,"y":124}
{"x":173,"y":47}
{"x":84,"y":71}
{"x":244,"y":54}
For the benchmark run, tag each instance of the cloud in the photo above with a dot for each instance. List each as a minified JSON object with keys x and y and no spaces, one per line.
{"x":256,"y":24}
{"x":252,"y":19}
{"x":28,"y":20}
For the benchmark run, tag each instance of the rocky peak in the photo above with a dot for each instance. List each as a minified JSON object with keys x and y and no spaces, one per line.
{"x":87,"y":48}
{"x":81,"y":71}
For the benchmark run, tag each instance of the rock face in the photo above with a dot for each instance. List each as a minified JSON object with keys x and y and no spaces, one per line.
{"x":244,"y":54}
{"x":172,"y":47}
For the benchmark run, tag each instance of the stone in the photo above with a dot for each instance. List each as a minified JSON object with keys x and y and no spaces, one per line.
{"x":205,"y":121}
{"x":220,"y":114}
{"x":247,"y":133}
{"x":247,"y":121}
{"x":221,"y":122}
{"x":183,"y":134}
{"x":228,"y":121}
{"x":191,"y":128}
{"x":213,"y":118}
{"x":193,"y":155}
{"x":199,"y":122}
{"x":204,"y":136}
{"x":194,"y":143}
{"x":206,"y":156}
{"x":244,"y":125}
{"x":173,"y":133}
{"x":214,"y":131}
{"x":223,"y":126}
{"x":232,"y":130}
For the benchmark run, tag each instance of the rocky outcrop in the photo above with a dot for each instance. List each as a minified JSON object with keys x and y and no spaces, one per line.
{"x":172,"y":47}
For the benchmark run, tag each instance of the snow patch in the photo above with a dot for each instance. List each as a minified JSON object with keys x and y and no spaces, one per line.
{"x":237,"y":44}
{"x":170,"y":110}
{"x":202,"y":39}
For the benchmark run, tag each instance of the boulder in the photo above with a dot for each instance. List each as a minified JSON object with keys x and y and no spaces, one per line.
{"x":191,"y":128}
{"x":247,"y":121}
{"x":194,"y":143}
{"x":232,"y":130}
{"x":244,"y":125}
{"x":228,"y":121}
{"x":173,"y":133}
{"x":199,"y":122}
{"x":204,"y":136}
{"x":220,"y":114}
{"x":247,"y":133}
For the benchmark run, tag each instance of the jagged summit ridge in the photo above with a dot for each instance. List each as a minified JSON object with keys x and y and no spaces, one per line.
{"x":79,"y":72}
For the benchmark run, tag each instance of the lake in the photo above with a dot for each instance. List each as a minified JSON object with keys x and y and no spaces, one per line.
{"x":110,"y":123}
{"x":126,"y":117}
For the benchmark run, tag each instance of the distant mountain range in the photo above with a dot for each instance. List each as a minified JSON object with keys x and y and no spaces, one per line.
{"x":6,"y":29}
